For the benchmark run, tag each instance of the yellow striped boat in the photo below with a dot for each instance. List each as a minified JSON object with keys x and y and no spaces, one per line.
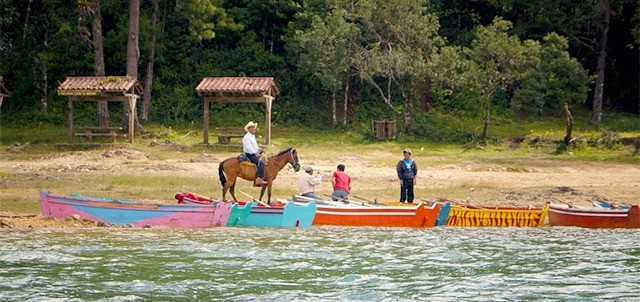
{"x":473,"y":216}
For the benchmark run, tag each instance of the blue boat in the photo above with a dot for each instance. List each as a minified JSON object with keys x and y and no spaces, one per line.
{"x":443,"y":215}
{"x":288,"y":215}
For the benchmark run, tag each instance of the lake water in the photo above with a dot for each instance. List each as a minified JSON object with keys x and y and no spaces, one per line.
{"x":320,"y":264}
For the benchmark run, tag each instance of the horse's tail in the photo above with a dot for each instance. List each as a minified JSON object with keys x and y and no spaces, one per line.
{"x":223,"y":179}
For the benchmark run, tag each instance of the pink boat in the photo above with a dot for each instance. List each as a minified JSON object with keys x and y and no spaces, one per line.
{"x":126,"y":212}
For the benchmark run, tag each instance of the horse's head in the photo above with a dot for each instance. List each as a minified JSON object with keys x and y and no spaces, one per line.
{"x":293,"y":160}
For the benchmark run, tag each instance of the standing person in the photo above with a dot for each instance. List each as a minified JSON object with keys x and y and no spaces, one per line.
{"x":341,"y":183}
{"x":407,"y":172}
{"x":252,"y":151}
{"x":307,"y":183}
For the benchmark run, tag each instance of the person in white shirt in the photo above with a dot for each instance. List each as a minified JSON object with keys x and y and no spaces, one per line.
{"x":307,"y":183}
{"x":253,"y":151}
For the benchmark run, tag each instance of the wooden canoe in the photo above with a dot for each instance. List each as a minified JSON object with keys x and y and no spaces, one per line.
{"x":356,"y":214}
{"x":594,"y":217}
{"x":133,"y":213}
{"x":472,"y":216}
{"x":261,"y":215}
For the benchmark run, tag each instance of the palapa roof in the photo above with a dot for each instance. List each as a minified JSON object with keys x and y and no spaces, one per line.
{"x":237,"y":86}
{"x":4,"y":87}
{"x":100,"y":86}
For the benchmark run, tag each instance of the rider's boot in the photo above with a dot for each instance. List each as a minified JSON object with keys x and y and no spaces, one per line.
{"x":259,"y":182}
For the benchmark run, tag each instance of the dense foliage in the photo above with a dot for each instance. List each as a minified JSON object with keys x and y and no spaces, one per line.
{"x":341,"y":63}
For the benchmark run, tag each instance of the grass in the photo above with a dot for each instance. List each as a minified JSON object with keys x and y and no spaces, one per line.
{"x":538,"y":137}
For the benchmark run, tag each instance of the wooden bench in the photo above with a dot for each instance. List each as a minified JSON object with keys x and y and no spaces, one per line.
{"x":226,"y":134}
{"x":92,"y":132}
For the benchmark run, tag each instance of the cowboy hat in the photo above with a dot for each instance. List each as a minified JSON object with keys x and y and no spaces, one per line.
{"x":250,"y":124}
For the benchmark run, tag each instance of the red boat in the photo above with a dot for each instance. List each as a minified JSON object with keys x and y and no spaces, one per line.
{"x":594,"y":217}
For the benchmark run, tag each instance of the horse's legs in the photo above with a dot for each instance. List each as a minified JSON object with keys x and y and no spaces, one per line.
{"x":233,"y":191}
{"x":231,"y":184}
{"x":262,"y":192}
{"x":269,"y":184}
{"x":269,"y":192}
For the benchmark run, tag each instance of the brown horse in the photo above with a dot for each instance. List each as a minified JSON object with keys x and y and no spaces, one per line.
{"x":231,"y":168}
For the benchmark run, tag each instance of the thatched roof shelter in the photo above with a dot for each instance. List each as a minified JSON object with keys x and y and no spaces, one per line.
{"x":93,"y":89}
{"x":238,"y":89}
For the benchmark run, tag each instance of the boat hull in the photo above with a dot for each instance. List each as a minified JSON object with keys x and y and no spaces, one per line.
{"x":594,"y":217}
{"x":259,"y":215}
{"x":126,"y":212}
{"x":285,"y":216}
{"x":418,"y":216}
{"x":496,"y":217}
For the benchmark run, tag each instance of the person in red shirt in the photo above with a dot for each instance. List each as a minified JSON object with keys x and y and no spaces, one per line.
{"x":341,"y":183}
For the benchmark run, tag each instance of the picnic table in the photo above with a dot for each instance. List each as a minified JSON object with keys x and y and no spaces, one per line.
{"x":226,"y":134}
{"x":90,"y":133}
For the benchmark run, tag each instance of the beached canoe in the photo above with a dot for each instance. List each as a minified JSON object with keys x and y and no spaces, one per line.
{"x":594,"y":217}
{"x":127,"y":212}
{"x":471,"y":216}
{"x":262,"y":215}
{"x":358,"y":214}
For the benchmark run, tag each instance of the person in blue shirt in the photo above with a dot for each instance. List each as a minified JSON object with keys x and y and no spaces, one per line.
{"x":407,"y":172}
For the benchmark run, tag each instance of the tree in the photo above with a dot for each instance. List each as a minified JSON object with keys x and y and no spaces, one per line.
{"x":498,"y":58}
{"x":133,"y":55}
{"x":204,"y":16}
{"x":596,"y":109}
{"x":554,"y":78}
{"x":327,"y":52}
{"x":95,"y":42}
{"x":393,"y":52}
{"x":148,"y":83}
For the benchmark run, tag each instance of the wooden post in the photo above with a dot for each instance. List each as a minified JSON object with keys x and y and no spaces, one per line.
{"x":132,"y":107}
{"x":69,"y":120}
{"x":268,"y":102}
{"x":205,"y":118}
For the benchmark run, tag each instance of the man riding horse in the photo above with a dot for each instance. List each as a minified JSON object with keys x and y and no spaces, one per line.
{"x":233,"y":167}
{"x":253,"y":152}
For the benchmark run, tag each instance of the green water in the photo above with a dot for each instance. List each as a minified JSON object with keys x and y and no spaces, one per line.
{"x":320,"y":264}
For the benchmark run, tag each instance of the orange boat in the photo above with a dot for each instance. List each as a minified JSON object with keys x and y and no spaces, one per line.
{"x":357,"y":214}
{"x":472,"y":216}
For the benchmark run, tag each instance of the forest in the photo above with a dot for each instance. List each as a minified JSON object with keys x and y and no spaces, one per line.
{"x":429,"y":65}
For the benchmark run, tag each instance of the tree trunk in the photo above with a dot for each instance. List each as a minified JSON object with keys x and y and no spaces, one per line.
{"x":148,"y":83}
{"x":346,"y":103}
{"x":407,"y":116}
{"x":98,"y":58}
{"x":40,"y":71}
{"x":487,"y":117}
{"x":133,"y":53}
{"x":567,"y":138}
{"x":596,"y":110}
{"x":334,"y":115}
{"x":44,"y":92}
{"x":26,"y":20}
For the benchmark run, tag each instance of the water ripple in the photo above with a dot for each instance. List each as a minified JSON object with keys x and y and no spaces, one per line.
{"x":320,"y":264}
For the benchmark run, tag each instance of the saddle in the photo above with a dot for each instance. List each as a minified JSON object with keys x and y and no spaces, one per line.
{"x":244,"y":160}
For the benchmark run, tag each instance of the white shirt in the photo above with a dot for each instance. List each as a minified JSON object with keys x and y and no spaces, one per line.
{"x":308,"y":182}
{"x":249,"y":144}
